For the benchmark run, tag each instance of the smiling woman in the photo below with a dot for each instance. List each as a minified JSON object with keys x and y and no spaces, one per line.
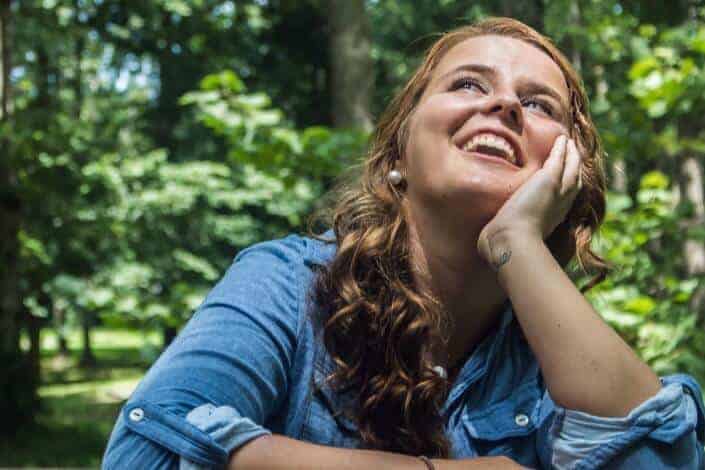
{"x":434,"y":318}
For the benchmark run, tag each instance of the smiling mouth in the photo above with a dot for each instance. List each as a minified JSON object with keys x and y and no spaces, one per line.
{"x":493,"y":146}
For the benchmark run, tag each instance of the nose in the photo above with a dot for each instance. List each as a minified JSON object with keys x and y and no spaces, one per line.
{"x":508,"y":109}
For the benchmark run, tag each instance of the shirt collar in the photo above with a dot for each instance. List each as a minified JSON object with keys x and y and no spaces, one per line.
{"x":483,"y":356}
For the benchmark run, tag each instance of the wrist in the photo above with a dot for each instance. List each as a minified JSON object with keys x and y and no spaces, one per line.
{"x":497,"y":247}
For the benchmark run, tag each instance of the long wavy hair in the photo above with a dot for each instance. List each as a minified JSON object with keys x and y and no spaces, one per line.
{"x":377,"y":322}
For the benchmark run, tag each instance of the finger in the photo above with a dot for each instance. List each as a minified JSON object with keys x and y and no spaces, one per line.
{"x":556,"y":159}
{"x":571,"y":172}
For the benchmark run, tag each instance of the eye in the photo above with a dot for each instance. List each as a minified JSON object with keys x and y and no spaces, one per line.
{"x":467,"y":83}
{"x":540,"y":105}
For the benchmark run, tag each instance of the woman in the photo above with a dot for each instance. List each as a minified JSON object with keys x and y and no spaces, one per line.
{"x":434,"y":325}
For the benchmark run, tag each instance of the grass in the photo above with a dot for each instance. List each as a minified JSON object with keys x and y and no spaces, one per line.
{"x":80,"y":405}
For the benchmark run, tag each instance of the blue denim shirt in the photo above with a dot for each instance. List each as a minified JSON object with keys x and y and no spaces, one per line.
{"x":251,"y":362}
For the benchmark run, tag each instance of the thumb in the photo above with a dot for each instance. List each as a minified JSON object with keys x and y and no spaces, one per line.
{"x":556,"y":159}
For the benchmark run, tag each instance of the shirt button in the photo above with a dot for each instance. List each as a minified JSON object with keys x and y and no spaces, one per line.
{"x":136,"y":414}
{"x":521,"y":419}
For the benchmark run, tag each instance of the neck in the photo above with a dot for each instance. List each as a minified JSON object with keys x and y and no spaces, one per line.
{"x":446,"y":261}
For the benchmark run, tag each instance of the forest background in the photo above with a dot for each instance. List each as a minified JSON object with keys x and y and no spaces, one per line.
{"x":142,"y":144}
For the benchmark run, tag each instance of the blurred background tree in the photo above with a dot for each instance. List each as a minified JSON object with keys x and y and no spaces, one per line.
{"x":143,"y":144}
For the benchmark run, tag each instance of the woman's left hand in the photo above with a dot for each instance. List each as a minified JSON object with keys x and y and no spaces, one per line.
{"x":542,"y":202}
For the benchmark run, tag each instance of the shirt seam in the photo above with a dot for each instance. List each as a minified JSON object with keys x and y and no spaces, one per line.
{"x":299,"y":309}
{"x":303,"y":252}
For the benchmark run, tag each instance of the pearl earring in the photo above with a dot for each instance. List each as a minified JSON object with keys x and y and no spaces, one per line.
{"x":394,"y":177}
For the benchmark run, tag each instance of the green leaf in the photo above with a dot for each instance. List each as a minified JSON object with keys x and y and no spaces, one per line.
{"x":227,"y":80}
{"x":191,"y":262}
{"x":642,"y":305}
{"x":643,"y":67}
{"x":657,"y":108}
{"x":618,"y":202}
{"x":654,"y":180}
{"x":620,"y":319}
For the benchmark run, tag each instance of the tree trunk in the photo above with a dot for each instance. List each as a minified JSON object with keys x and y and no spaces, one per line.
{"x":168,"y":335}
{"x":34,"y":328}
{"x":87,"y":357}
{"x":10,"y":302}
{"x":5,"y":63}
{"x":529,"y":12}
{"x":78,"y":77}
{"x":18,"y":387}
{"x":575,"y":20}
{"x":691,"y":190}
{"x":59,"y":317}
{"x":617,"y":166}
{"x":619,"y":175}
{"x":352,"y":74}
{"x":10,"y":206}
{"x":63,"y":345}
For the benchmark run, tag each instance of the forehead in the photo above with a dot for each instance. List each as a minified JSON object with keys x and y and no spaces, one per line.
{"x":512,"y":58}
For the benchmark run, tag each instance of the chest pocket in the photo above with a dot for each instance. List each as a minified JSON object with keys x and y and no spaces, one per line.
{"x":326,"y":422}
{"x":506,"y":428}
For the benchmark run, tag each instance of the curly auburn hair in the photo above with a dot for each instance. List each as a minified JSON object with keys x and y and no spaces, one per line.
{"x":377,"y":322}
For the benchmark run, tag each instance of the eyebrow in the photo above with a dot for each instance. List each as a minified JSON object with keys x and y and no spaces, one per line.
{"x":483,"y":69}
{"x":530,"y":87}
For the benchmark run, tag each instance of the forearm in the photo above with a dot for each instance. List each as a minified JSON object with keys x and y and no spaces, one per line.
{"x":276,"y":452}
{"x":586,"y":364}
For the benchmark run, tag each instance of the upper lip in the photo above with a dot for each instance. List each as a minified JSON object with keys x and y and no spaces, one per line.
{"x":464,"y":138}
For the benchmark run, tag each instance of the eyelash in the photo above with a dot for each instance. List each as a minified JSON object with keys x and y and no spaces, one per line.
{"x":462,"y":82}
{"x":547,"y":108}
{"x":465,"y":82}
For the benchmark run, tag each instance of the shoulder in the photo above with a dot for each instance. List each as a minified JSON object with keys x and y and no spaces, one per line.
{"x":271,"y":278}
{"x":293,"y":250}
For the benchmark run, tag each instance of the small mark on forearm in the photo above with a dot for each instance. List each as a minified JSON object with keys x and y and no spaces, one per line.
{"x":503,"y":259}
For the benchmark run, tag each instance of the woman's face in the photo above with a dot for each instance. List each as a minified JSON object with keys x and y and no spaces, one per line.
{"x":486,"y":122}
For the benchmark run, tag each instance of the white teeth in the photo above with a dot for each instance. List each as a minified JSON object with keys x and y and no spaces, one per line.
{"x":492,"y":140}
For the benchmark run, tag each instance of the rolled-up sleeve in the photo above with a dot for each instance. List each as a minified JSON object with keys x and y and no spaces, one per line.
{"x":667,"y":431}
{"x":225,"y":426}
{"x":226,"y":373}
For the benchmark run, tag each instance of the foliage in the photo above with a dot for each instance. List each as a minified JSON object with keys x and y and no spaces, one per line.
{"x":173,"y":227}
{"x":257,"y":134}
{"x":646,"y":299}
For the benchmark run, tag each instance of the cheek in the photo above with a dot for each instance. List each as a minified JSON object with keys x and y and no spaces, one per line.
{"x":440,"y":113}
{"x":541,"y":139}
{"x":430,"y":128}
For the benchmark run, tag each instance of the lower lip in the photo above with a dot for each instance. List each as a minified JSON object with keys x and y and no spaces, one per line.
{"x":491,"y":159}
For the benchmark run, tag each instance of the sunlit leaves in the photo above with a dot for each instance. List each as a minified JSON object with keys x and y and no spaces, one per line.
{"x":259,"y":136}
{"x":668,"y":77}
{"x":644,"y":298}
